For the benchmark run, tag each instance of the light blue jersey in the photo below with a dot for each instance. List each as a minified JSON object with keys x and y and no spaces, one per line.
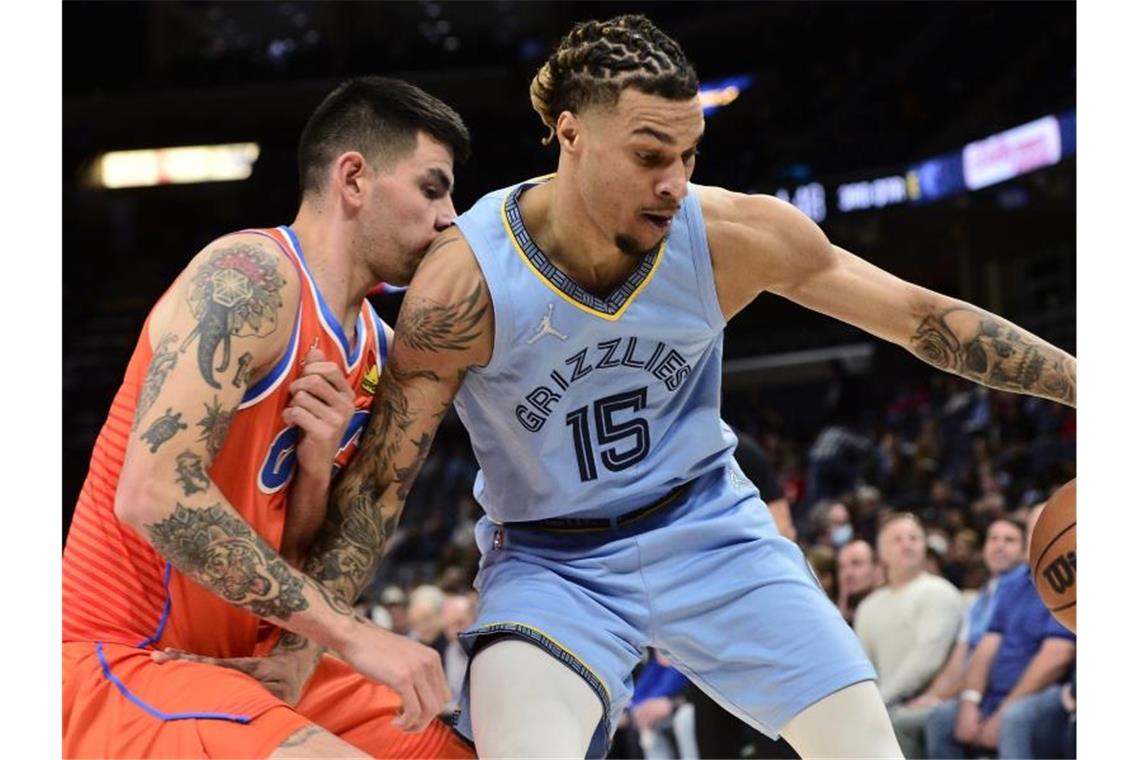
{"x":592,"y":407}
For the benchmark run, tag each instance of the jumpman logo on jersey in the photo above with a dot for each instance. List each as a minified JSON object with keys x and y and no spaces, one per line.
{"x":545,"y":327}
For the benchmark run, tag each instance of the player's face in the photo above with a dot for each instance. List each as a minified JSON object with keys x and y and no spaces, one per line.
{"x":1004,"y":548}
{"x":903,"y":546}
{"x":409,"y":206}
{"x":635,"y":168}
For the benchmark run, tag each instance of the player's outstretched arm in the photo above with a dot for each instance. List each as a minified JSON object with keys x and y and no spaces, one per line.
{"x":445,"y":327}
{"x":761,"y":243}
{"x":231,"y":311}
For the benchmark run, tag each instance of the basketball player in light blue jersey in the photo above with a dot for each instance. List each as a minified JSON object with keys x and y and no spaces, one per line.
{"x":577,"y":323}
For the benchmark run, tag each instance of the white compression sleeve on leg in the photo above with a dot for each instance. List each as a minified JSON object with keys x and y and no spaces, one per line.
{"x":851,"y":723}
{"x":525,"y":703}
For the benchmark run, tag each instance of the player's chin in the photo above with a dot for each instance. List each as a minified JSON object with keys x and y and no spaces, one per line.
{"x":640,"y":245}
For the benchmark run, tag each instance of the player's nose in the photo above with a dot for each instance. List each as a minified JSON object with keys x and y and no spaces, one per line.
{"x":674,"y":185}
{"x":446,"y":216}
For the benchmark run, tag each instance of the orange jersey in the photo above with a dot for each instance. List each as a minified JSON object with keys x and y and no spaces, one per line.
{"x":116,"y":587}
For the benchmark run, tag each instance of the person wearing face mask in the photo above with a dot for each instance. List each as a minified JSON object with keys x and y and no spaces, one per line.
{"x":831,"y":523}
{"x":908,"y":626}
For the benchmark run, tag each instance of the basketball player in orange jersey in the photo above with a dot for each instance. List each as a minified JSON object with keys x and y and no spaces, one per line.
{"x":224,"y":410}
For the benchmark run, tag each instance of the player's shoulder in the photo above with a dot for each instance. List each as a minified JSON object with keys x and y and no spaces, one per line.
{"x":247,"y":273}
{"x":254,"y":258}
{"x":449,"y":260}
{"x":756,"y":233}
{"x":759,"y":213}
{"x":267,"y":247}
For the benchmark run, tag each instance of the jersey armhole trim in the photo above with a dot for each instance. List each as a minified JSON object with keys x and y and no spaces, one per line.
{"x":492,"y":279}
{"x":702,"y":261}
{"x":266,"y":385}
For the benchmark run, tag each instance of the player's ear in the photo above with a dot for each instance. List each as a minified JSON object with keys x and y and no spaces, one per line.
{"x":569,"y":132}
{"x":348,"y":177}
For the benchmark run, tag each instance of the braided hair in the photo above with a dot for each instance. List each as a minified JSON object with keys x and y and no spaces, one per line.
{"x":598,"y":59}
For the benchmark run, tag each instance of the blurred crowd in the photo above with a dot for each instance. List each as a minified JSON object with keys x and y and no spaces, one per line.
{"x":914,"y":514}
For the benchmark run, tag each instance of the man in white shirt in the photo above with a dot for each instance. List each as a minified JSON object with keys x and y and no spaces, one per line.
{"x":908,"y":626}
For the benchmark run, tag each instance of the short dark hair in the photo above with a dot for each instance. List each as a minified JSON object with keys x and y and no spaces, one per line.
{"x":596,"y":60}
{"x":1018,"y":525}
{"x":379,"y":117}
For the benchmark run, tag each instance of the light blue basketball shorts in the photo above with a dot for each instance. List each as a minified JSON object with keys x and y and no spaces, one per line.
{"x":707,"y":580}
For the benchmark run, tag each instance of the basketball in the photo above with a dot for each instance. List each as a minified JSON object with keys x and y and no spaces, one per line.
{"x":1053,"y":555}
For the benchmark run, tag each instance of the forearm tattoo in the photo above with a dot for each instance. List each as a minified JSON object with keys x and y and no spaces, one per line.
{"x":989,"y":350}
{"x":222,"y":552}
{"x":237,"y":292}
{"x":160,"y":365}
{"x":191,"y":476}
{"x":290,"y":641}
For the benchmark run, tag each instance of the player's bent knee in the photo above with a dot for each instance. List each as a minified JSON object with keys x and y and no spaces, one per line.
{"x":314,"y":741}
{"x":525,"y":703}
{"x":850,"y":723}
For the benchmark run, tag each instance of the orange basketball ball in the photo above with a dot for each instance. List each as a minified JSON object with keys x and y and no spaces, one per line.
{"x":1053,"y":555}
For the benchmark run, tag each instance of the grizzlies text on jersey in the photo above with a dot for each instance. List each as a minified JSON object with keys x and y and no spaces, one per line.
{"x":585,"y":397}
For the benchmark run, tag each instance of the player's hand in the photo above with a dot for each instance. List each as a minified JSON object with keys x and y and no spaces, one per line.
{"x":321,"y":405}
{"x":412,"y":670}
{"x":652,"y":711}
{"x":283,"y":673}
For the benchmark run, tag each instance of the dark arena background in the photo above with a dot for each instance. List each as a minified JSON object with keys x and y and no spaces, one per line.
{"x":936,"y":140}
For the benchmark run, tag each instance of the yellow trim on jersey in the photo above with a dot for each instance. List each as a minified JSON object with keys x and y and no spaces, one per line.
{"x":564,"y":296}
{"x":557,"y":643}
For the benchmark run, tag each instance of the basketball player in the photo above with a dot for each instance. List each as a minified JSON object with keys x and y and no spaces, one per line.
{"x":178,"y":535}
{"x":577,"y":322}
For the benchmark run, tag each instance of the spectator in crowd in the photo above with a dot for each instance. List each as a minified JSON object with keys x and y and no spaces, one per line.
{"x":1043,"y":725}
{"x":831,"y":524}
{"x":1023,"y":652}
{"x":458,"y":615}
{"x":395,"y":601}
{"x":425,"y":617}
{"x":908,"y":626}
{"x":963,"y":548}
{"x":660,"y":713}
{"x":859,"y":575}
{"x":1003,"y":551}
{"x":822,"y":562}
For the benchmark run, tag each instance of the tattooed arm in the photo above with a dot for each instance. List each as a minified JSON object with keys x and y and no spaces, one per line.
{"x":761,"y":243}
{"x":445,"y":327}
{"x":220,"y":320}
